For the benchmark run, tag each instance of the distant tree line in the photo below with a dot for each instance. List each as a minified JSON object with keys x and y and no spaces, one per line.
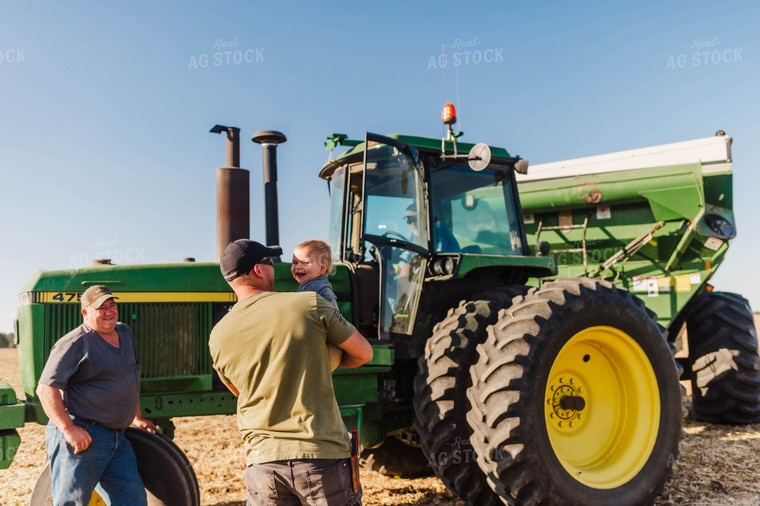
{"x":6,"y":340}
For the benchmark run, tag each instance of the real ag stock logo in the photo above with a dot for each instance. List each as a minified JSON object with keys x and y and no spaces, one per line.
{"x":226,"y":53}
{"x":704,"y":52}
{"x":465,"y":53}
{"x":112,"y":249}
{"x":12,"y":55}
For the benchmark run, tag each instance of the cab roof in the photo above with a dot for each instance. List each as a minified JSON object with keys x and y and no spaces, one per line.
{"x":427,"y":144}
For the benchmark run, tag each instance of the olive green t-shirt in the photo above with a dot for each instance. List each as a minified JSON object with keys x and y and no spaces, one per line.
{"x":273,"y":348}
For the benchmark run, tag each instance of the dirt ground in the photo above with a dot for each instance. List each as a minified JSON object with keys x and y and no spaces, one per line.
{"x":719,"y":465}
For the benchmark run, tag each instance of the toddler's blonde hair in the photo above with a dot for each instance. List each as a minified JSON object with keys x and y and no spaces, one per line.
{"x":321,"y":250}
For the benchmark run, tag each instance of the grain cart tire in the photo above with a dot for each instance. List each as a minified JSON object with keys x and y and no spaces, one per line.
{"x":575,"y":399}
{"x":723,"y":355}
{"x":168,"y":477}
{"x":394,"y":457}
{"x":440,"y":400}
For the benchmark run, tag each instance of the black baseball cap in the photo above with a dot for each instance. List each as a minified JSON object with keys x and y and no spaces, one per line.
{"x":240,"y":256}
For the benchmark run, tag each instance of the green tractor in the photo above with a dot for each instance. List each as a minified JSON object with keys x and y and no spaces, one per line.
{"x":658,"y":221}
{"x":563,"y":394}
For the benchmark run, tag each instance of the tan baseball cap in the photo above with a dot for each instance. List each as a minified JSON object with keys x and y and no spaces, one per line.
{"x":95,"y":296}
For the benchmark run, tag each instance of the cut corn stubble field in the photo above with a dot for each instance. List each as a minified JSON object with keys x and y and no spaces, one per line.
{"x":718,"y":465}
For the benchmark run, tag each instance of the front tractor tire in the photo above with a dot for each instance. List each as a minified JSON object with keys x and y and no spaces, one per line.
{"x":575,"y":399}
{"x":723,"y":355}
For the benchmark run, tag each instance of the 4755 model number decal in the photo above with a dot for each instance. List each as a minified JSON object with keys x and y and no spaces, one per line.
{"x":65,"y":296}
{"x":171,"y":297}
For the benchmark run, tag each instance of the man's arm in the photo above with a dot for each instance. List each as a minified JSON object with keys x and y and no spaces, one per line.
{"x":233,"y":389}
{"x":52,"y":403}
{"x":141,"y":422}
{"x":356,"y":350}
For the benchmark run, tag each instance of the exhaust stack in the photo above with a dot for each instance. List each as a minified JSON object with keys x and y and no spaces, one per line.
{"x":232,"y":194}
{"x":269,"y":139}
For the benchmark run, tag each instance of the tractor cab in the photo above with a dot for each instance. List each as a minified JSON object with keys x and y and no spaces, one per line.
{"x":408,"y":213}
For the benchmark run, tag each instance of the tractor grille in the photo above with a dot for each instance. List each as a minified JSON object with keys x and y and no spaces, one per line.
{"x":171,"y":337}
{"x":60,"y":319}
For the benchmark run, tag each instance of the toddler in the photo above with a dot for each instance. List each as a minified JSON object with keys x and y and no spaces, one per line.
{"x":311,"y":263}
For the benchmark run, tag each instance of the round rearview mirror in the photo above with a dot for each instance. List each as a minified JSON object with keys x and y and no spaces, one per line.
{"x":480,"y":157}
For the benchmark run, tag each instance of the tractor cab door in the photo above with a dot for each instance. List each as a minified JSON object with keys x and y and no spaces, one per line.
{"x":394,"y":223}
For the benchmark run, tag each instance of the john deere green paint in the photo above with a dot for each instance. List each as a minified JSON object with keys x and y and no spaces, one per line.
{"x":658,"y":221}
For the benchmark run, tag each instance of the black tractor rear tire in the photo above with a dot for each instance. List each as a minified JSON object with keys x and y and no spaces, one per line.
{"x":723,"y":355}
{"x":166,"y":473}
{"x":575,"y":399}
{"x":440,"y":400}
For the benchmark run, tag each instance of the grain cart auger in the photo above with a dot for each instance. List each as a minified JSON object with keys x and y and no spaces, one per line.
{"x":658,"y":221}
{"x":567,"y":394}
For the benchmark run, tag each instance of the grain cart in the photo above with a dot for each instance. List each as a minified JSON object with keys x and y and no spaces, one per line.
{"x":564,"y":394}
{"x":658,"y":221}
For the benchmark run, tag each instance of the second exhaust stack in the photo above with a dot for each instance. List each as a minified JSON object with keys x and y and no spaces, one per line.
{"x":269,"y":139}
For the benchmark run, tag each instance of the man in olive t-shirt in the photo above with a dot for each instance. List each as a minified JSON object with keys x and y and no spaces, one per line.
{"x":271,"y":351}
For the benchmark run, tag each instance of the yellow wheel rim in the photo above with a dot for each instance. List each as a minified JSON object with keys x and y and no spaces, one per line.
{"x":96,"y":500}
{"x":602,"y":407}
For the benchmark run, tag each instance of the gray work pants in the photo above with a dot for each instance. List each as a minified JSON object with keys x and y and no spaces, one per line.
{"x":313,"y":482}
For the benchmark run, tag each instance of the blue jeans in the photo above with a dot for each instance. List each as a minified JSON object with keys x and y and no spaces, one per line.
{"x":109,"y":460}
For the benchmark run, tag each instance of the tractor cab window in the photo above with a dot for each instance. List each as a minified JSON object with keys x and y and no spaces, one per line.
{"x":337,"y":198}
{"x":474,"y":212}
{"x":395,"y":227}
{"x":393,"y":188}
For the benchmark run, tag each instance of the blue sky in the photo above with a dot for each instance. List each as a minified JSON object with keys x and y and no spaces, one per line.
{"x":106,"y":107}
